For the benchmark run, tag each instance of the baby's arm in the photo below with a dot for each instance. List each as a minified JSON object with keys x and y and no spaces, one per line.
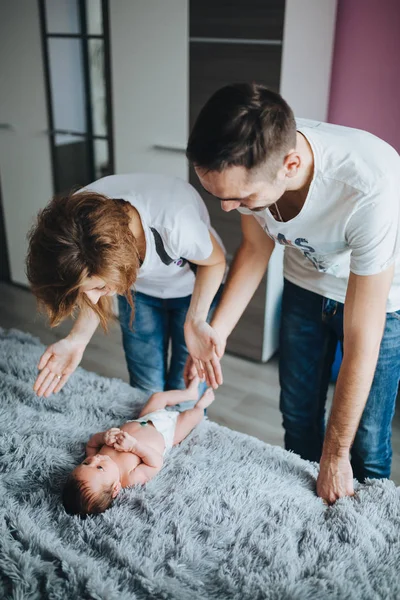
{"x":99,"y":439}
{"x":152,"y":459}
{"x":127,"y":443}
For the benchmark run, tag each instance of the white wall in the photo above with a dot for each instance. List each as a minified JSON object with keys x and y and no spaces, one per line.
{"x":25,"y":167}
{"x":308,"y":39}
{"x":149,"y":54}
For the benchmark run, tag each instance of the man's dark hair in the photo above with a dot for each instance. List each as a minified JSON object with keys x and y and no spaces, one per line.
{"x":78,"y":498}
{"x":241,"y":125}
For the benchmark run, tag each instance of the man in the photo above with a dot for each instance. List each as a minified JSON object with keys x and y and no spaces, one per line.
{"x":330,"y":194}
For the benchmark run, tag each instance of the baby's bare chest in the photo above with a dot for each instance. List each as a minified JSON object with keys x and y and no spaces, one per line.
{"x":127,"y":461}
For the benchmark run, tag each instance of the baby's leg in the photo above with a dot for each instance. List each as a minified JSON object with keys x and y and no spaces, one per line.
{"x":188,"y":420}
{"x":160,"y":400}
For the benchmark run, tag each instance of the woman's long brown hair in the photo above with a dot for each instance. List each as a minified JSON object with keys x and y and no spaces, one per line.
{"x":81,"y":235}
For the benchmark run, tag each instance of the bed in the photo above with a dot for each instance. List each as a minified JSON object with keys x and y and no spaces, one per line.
{"x":227,"y":517}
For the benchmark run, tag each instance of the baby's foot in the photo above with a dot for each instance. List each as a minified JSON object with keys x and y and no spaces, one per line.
{"x":193,"y":388}
{"x":207,"y":398}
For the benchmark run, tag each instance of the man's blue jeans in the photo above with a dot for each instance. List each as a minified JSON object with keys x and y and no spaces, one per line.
{"x":156,"y":325}
{"x":311,"y":326}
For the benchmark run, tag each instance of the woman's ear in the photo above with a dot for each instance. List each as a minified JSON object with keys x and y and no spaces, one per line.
{"x":116,"y":489}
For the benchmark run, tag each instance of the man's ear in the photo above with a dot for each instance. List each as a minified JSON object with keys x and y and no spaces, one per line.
{"x":116,"y":489}
{"x":292,"y":163}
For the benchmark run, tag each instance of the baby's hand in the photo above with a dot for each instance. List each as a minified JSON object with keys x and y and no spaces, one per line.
{"x":111,"y":435}
{"x":124,"y":442}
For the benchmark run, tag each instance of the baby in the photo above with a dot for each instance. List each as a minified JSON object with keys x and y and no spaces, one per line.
{"x":132,"y":454}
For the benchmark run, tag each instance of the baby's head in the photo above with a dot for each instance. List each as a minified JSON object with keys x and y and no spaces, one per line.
{"x":92,"y":486}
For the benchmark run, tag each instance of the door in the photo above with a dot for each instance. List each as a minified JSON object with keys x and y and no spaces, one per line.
{"x":26,"y":177}
{"x":76,"y":58}
{"x":149,"y":66}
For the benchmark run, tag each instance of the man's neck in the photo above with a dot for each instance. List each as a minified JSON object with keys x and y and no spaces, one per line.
{"x":301,"y":182}
{"x":292,"y":201}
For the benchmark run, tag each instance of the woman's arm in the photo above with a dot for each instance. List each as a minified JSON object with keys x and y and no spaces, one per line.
{"x":61,"y":359}
{"x":209,"y":276}
{"x":85,"y":326}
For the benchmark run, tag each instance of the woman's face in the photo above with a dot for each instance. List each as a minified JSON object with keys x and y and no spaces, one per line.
{"x":95,"y":288}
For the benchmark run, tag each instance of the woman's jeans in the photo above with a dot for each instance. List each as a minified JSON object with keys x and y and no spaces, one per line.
{"x":157,"y":327}
{"x":311,"y":326}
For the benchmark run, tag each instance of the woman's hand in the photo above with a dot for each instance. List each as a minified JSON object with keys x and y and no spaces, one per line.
{"x":56,"y":365}
{"x":205,"y":348}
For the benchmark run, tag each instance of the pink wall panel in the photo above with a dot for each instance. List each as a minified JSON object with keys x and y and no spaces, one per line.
{"x":365,"y":84}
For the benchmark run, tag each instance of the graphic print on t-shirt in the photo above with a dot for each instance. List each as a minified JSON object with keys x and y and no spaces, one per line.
{"x":302,"y":245}
{"x":350,"y":221}
{"x":163,"y":254}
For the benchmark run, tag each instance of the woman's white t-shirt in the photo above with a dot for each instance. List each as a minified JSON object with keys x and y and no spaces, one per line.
{"x":350,"y":220}
{"x":176,"y":224}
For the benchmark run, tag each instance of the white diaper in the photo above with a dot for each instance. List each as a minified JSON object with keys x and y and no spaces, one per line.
{"x":164,"y":421}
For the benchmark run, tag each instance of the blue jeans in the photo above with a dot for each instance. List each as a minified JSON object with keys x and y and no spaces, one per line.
{"x":311,"y":326}
{"x":157,"y":324}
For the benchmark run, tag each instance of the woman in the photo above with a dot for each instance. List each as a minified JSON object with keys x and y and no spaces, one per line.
{"x":150,"y":231}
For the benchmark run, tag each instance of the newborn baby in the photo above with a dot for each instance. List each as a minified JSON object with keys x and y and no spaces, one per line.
{"x":132,"y":454}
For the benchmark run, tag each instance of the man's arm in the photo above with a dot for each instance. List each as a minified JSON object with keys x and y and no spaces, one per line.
{"x":205,"y":343}
{"x":364,"y":321}
{"x":245,"y":274}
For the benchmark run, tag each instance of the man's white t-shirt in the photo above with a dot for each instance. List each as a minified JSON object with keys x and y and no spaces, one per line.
{"x":176,"y":224}
{"x":350,"y":220}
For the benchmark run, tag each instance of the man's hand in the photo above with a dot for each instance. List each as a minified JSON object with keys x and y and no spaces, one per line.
{"x":124,"y":442}
{"x":110,"y":436}
{"x":206,"y":348}
{"x":335,"y":478}
{"x":365,"y":295}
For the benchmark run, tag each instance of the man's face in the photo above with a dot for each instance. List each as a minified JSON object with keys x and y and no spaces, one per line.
{"x":237,"y":187}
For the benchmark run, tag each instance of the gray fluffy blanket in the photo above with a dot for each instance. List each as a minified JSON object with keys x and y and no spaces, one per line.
{"x":227,"y":517}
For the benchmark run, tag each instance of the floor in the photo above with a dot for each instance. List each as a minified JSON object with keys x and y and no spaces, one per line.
{"x":248,"y":401}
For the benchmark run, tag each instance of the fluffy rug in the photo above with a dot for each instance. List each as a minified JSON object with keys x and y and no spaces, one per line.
{"x":227,"y":517}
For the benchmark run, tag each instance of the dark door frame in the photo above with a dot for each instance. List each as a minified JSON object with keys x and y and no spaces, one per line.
{"x":84,"y":36}
{"x":5,"y":273}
